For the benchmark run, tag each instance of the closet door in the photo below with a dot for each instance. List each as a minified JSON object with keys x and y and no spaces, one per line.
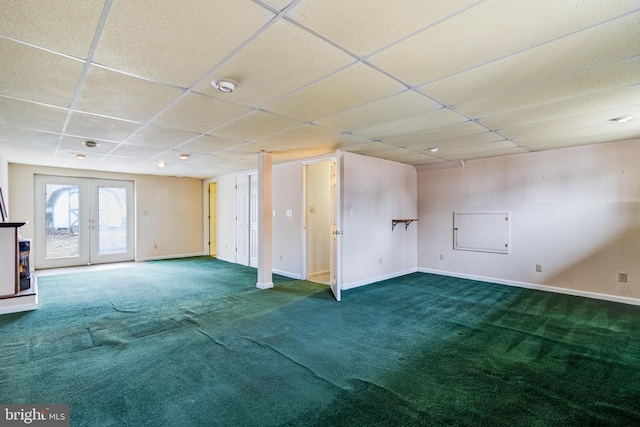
{"x":242,"y":220}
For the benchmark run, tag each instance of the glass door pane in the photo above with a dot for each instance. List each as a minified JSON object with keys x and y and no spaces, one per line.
{"x":112,"y":220}
{"x":61,"y":222}
{"x":62,"y":216}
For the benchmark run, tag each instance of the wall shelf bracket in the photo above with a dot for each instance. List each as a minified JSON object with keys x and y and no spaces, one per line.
{"x":406,"y":222}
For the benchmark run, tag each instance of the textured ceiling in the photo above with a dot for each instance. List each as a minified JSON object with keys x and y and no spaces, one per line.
{"x":384,"y":78}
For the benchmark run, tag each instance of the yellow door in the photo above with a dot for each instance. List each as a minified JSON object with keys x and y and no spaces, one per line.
{"x":213,"y":214}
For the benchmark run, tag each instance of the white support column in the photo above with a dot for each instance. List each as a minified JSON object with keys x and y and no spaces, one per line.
{"x":265,"y":238}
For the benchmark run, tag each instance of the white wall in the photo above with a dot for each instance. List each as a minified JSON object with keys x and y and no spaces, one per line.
{"x":288,"y":257}
{"x":375,"y":191}
{"x":575,"y":211}
{"x":169,"y":220}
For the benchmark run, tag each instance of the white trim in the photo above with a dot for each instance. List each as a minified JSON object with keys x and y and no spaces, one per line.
{"x":287,"y":274}
{"x":156,"y":258}
{"x":264,"y":285}
{"x":537,"y":287}
{"x":18,"y":304}
{"x":352,"y":285}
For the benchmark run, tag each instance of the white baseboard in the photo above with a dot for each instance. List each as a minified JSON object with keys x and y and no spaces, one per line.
{"x":352,"y":285}
{"x":156,"y":258}
{"x":231,"y":260}
{"x":287,"y":274}
{"x":546,"y":288}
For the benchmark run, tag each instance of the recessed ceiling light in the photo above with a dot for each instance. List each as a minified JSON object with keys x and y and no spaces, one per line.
{"x":184,"y":156}
{"x":622,"y":119}
{"x":224,"y":85}
{"x":434,"y":149}
{"x":161,"y":164}
{"x":80,"y":156}
{"x":90,"y":144}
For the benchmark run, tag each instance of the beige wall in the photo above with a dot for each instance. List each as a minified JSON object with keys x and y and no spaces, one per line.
{"x":574,"y":211}
{"x":168,"y":211}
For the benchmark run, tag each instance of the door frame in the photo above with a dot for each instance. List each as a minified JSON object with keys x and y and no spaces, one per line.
{"x":88,"y":211}
{"x":336,"y":269}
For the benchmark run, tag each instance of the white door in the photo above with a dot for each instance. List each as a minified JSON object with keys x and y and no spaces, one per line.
{"x":242,"y":220}
{"x":335,"y":228}
{"x":253,"y":220}
{"x":81,"y":221}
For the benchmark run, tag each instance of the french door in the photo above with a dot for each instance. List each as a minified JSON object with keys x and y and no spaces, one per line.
{"x":81,"y":221}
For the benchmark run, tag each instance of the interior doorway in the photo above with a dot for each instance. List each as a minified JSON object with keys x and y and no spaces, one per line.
{"x":318,"y":221}
{"x":82,"y":221}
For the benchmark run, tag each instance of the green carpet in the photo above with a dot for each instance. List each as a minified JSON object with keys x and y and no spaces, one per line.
{"x":192,"y":342}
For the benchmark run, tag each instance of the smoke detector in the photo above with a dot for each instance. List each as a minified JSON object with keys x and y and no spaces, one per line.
{"x":224,"y":85}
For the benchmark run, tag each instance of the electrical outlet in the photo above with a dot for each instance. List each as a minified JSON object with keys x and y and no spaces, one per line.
{"x":155,"y":246}
{"x":441,"y":257}
{"x":380,"y":261}
{"x":622,"y":277}
{"x":539,"y":268}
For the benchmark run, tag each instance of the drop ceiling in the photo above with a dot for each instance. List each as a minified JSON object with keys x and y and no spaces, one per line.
{"x":382,"y":78}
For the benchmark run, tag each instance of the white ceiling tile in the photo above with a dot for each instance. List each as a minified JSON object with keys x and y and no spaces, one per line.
{"x":279,"y":4}
{"x":463,"y":141}
{"x":254,"y":125}
{"x":606,"y":77}
{"x":199,"y":113}
{"x":581,"y":123}
{"x":601,"y":101}
{"x":29,"y":138}
{"x":208,"y":144}
{"x":589,"y":140}
{"x":363,"y":28}
{"x":212,"y":160}
{"x":356,"y":85}
{"x":489,"y":31}
{"x":431,"y":120}
{"x":28,"y":154}
{"x":35,"y":75}
{"x":371,"y":148}
{"x":65,"y":26}
{"x":301,"y":135}
{"x":463,"y":152}
{"x":174,"y":42}
{"x":614,"y":41}
{"x":77,"y":145}
{"x":599,"y":133}
{"x":136,"y":152}
{"x":247,"y":150}
{"x":27,"y":115}
{"x":281,"y":60}
{"x":473,"y":155}
{"x":431,"y":137}
{"x":119,"y":95}
{"x":155,"y":136}
{"x":406,"y":104}
{"x":95,"y":127}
